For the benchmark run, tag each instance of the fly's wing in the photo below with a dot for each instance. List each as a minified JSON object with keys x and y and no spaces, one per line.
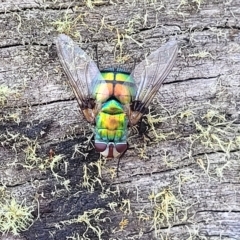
{"x":82,"y":72}
{"x":149,"y":76}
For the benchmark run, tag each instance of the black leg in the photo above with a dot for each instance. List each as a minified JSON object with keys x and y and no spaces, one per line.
{"x":118,"y":164}
{"x":143,"y":127}
{"x":96,"y":48}
{"x":90,"y":142}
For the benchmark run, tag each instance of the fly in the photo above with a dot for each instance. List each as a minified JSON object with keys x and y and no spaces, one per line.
{"x":114,"y":99}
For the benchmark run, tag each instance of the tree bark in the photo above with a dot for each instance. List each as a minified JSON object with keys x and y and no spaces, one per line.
{"x":179,"y":182}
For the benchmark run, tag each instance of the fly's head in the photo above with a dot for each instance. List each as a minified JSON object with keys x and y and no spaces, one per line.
{"x":110,"y":149}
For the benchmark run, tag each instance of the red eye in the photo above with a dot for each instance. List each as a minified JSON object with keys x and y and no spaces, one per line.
{"x":121,"y":147}
{"x":100,"y":146}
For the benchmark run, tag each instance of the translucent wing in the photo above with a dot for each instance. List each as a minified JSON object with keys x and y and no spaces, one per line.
{"x":149,"y":76}
{"x":82,"y":72}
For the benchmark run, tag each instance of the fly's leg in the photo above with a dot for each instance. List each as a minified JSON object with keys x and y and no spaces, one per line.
{"x":90,"y":142}
{"x":143,"y":127}
{"x":118,"y":164}
{"x":96,"y":49}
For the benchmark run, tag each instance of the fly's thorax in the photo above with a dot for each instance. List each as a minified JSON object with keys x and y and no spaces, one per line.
{"x":115,"y":84}
{"x":111,"y":129}
{"x":111,"y":123}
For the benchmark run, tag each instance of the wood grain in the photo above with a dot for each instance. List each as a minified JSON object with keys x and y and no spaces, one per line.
{"x":189,"y":170}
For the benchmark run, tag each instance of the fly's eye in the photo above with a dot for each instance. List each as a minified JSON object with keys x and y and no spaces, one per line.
{"x":121,"y":147}
{"x":100,"y":147}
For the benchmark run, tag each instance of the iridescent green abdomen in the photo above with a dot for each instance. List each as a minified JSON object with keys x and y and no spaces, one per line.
{"x":115,"y":84}
{"x":111,"y":123}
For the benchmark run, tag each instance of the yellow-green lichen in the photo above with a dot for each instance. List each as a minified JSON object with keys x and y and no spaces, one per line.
{"x":15,"y":217}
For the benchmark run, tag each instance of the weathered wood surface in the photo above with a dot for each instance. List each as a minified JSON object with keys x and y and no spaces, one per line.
{"x":194,"y":163}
